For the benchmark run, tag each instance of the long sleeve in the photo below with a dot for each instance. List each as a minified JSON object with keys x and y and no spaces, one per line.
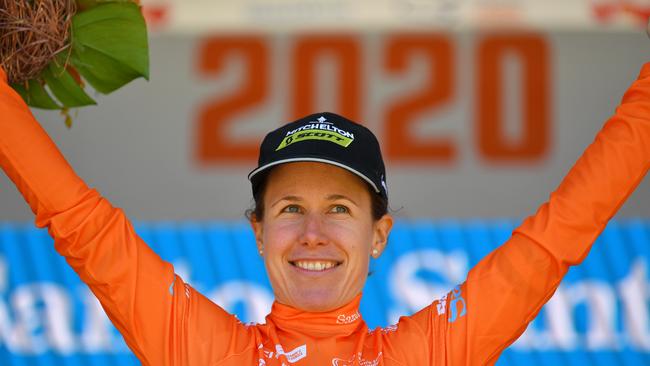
{"x":505,"y":291}
{"x":161,"y":318}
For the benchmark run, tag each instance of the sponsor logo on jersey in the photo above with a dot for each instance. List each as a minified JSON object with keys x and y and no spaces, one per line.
{"x":389,"y":329}
{"x":356,"y":360}
{"x":292,"y":356}
{"x":348,"y":318}
{"x":441,"y":305}
{"x":317,"y":130}
{"x":456,"y":302}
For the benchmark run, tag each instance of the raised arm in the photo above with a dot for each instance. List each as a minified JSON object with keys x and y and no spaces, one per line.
{"x":506,"y":289}
{"x":152,"y":308}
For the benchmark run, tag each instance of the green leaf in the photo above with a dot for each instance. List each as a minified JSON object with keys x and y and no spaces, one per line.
{"x":110,"y":44}
{"x":109,"y":49}
{"x":65,"y":87}
{"x":87,"y":4}
{"x":20,"y":89}
{"x":105,"y":74}
{"x":36,"y":96}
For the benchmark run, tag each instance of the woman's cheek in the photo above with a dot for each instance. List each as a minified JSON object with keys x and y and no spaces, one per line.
{"x":352,"y":235}
{"x":280,"y":235}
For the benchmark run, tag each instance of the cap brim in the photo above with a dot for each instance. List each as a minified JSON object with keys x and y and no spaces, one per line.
{"x":318,"y":160}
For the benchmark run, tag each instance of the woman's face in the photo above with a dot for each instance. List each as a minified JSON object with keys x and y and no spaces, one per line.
{"x":317,"y":235}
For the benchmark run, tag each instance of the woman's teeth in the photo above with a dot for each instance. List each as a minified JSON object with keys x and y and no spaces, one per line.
{"x":314,"y":265}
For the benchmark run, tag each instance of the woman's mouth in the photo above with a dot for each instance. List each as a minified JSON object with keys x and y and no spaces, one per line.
{"x":315,"y":265}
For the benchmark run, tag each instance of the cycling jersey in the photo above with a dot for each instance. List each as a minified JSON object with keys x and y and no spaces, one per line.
{"x":166,"y":322}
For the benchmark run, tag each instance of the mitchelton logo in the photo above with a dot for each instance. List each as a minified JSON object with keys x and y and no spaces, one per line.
{"x":321,"y":130}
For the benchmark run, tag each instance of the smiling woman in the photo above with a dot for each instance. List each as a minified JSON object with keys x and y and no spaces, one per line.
{"x":320,"y":217}
{"x":316,"y":220}
{"x":318,"y":234}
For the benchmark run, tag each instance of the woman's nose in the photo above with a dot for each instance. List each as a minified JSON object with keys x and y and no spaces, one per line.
{"x":312,"y":230}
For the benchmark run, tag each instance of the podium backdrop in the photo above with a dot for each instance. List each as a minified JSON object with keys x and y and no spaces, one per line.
{"x":472,"y":124}
{"x":599,"y":316}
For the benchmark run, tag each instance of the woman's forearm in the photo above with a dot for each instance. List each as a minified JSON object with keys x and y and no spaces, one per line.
{"x":600,"y":181}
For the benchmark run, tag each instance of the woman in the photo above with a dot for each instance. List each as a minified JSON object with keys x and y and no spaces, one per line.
{"x":320,"y":216}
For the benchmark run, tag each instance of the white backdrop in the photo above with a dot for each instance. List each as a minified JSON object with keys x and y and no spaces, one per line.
{"x":139,"y":145}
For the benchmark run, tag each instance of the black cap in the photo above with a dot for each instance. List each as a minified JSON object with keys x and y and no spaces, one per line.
{"x":327,"y":138}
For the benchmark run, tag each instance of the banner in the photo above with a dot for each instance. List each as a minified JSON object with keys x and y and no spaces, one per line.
{"x":600,"y":314}
{"x":204,"y":16}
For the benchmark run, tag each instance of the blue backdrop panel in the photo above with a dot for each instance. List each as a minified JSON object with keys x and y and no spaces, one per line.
{"x":600,"y":315}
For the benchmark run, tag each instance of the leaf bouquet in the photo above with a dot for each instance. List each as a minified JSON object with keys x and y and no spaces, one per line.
{"x":51,"y":49}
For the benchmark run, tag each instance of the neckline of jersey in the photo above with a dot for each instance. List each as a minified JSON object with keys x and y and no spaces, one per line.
{"x":342,"y":321}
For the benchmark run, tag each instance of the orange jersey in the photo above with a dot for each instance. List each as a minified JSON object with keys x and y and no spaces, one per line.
{"x":166,"y":322}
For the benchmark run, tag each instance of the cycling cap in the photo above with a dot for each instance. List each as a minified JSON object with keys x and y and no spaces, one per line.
{"x":327,"y":138}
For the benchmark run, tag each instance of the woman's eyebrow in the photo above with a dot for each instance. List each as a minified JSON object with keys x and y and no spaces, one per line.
{"x":334,"y":197}
{"x":287,"y":198}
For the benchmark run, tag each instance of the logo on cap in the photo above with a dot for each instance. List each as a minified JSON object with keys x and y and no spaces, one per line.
{"x":317,"y":130}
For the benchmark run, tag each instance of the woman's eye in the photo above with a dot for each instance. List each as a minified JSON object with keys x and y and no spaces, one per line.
{"x":291,"y":209}
{"x":339,"y":209}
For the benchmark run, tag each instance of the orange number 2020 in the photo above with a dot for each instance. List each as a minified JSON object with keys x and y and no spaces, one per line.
{"x":530,"y":52}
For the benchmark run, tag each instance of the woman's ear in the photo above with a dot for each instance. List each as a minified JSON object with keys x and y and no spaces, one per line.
{"x":382,"y":229}
{"x":257,"y":227}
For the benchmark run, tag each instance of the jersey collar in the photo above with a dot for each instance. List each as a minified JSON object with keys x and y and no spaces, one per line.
{"x":338,"y":322}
